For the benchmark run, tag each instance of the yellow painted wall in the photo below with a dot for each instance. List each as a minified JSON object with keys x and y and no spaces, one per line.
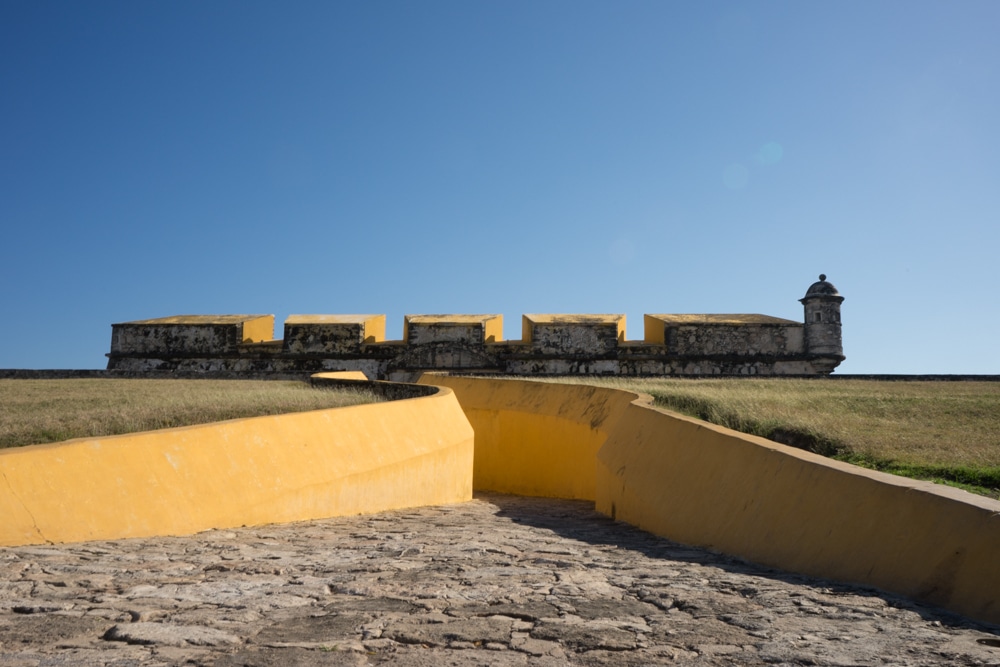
{"x":258,"y":329}
{"x":351,"y":460}
{"x":677,"y":477}
{"x":536,"y":439}
{"x":709,"y":486}
{"x":340,"y":375}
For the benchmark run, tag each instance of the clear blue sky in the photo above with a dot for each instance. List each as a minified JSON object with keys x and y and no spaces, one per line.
{"x":165,"y":158}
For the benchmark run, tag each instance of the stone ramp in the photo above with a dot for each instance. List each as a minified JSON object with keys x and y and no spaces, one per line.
{"x":501,"y":580}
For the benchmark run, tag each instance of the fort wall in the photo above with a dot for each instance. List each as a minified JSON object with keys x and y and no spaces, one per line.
{"x":550,"y":344}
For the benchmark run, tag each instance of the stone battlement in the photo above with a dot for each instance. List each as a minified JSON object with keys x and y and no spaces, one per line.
{"x":550,"y":344}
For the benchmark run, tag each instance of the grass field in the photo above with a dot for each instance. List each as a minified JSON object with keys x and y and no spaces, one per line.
{"x":947,"y":432}
{"x":40,"y":411}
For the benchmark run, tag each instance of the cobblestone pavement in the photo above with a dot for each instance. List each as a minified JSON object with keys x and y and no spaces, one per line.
{"x":498,"y":581}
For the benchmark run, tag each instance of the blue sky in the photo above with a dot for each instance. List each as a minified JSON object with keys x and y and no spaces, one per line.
{"x":164,"y":158}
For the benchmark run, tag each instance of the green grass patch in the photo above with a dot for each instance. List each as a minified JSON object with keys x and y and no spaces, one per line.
{"x":946,"y":432}
{"x":42,"y":411}
{"x":983,"y":481}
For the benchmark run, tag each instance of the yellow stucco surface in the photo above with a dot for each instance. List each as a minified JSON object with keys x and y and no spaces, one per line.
{"x":677,"y":477}
{"x":259,"y":329}
{"x":533,"y":441}
{"x":709,"y":486}
{"x":351,"y":460}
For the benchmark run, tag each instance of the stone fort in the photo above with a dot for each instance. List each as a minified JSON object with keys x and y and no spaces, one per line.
{"x":707,"y":344}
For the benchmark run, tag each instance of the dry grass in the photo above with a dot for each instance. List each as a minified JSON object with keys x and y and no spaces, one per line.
{"x":39,"y":411}
{"x":951,"y":423}
{"x":943,"y":431}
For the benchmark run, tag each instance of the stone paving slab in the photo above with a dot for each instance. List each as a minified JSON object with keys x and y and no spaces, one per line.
{"x":501,"y":581}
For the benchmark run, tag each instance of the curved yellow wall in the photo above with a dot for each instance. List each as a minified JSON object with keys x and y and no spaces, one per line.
{"x":307,"y":465}
{"x":709,"y":486}
{"x":536,"y":439}
{"x":677,"y":477}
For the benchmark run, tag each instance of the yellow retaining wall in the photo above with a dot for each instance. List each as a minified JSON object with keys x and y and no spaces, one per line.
{"x":292,"y":467}
{"x":709,"y":486}
{"x":536,"y":439}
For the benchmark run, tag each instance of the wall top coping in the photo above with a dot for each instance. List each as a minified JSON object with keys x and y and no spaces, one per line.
{"x":749,"y":318}
{"x":332,"y":319}
{"x":451,"y":319}
{"x":201,"y":319}
{"x":536,"y":318}
{"x":458,"y":320}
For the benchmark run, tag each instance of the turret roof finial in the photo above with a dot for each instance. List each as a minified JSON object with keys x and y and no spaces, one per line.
{"x":822,"y":288}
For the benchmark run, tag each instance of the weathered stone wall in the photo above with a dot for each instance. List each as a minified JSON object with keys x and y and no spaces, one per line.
{"x":746,"y":340}
{"x":331,"y":334}
{"x":550,"y":344}
{"x":468,"y":329}
{"x":823,"y":330}
{"x":588,"y":335}
{"x":730,"y":335}
{"x":822,"y":324}
{"x":190,"y":334}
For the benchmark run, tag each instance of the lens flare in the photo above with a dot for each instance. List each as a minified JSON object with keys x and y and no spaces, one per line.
{"x":736,"y":176}
{"x":770,"y":153}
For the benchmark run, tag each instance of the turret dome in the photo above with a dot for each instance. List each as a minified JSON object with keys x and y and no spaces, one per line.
{"x":822,"y":288}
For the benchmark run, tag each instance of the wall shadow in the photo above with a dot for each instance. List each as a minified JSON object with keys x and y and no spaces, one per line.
{"x":578,"y":520}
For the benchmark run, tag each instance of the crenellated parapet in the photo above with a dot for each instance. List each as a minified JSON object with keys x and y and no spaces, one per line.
{"x":189,"y":335}
{"x":742,"y":335}
{"x":550,"y":344}
{"x":331,"y":334}
{"x":452,"y":329}
{"x":587,"y":335}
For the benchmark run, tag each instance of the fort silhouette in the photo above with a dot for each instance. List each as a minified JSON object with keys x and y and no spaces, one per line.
{"x":703,"y":344}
